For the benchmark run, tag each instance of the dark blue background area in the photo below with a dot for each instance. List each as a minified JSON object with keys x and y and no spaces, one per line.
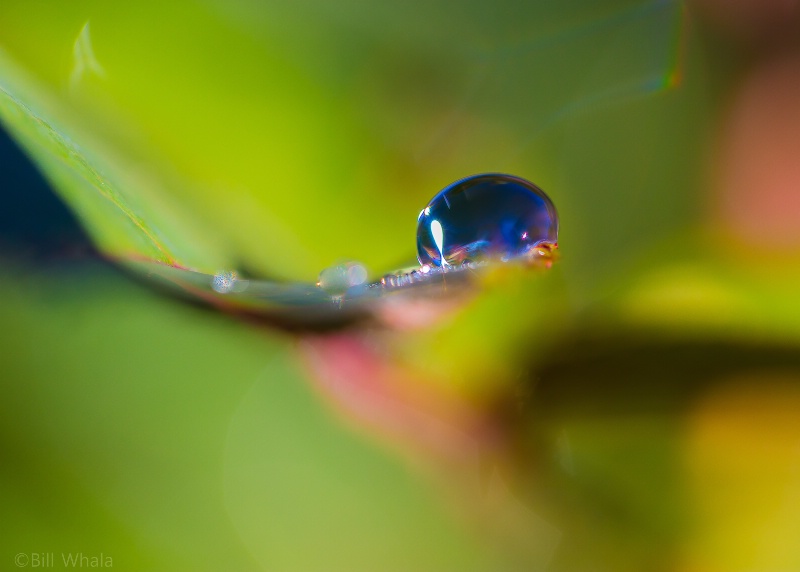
{"x":34,"y":223}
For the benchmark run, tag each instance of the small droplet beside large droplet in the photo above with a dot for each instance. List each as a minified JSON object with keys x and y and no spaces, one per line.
{"x":224,"y":282}
{"x":490,"y":216}
{"x":335,"y":280}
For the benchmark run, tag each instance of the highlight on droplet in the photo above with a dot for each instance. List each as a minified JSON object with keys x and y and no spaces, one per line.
{"x":438,"y":238}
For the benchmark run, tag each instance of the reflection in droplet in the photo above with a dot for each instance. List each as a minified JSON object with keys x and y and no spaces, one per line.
{"x":490,"y":216}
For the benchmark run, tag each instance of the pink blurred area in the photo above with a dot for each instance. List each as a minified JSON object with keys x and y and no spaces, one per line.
{"x":752,"y":21}
{"x":756,"y":194}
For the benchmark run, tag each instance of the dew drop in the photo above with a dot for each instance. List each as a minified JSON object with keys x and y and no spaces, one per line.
{"x":335,"y":280}
{"x":224,"y":282}
{"x":489,"y":216}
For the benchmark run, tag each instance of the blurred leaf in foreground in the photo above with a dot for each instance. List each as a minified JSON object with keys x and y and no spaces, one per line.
{"x":171,"y":439}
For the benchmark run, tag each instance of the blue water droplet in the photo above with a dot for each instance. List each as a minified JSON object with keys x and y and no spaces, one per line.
{"x":485,"y":216}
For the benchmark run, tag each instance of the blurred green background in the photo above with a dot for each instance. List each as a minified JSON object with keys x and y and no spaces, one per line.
{"x":642,"y":395}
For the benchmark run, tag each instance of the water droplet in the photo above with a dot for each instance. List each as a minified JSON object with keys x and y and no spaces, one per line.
{"x":485,"y":216}
{"x":224,"y":282}
{"x":335,"y":280}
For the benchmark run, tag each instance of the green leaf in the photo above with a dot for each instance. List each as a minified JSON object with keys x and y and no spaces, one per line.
{"x":123,"y":212}
{"x":175,"y":440}
{"x":281,"y":138}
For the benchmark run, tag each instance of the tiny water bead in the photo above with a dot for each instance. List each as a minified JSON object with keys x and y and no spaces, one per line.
{"x":488,"y":216}
{"x":224,"y":282}
{"x":335,"y":280}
